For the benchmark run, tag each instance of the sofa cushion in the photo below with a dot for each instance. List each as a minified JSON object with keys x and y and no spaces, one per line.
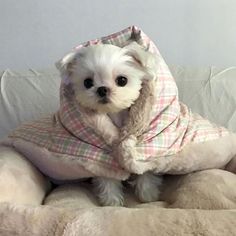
{"x":26,"y":95}
{"x":209,"y":91}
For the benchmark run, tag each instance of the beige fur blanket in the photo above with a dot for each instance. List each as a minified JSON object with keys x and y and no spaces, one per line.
{"x":206,"y":203}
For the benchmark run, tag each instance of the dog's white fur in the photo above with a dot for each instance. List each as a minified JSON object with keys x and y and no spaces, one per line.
{"x":103,"y":64}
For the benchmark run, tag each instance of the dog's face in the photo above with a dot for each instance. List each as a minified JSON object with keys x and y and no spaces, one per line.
{"x":106,"y":78}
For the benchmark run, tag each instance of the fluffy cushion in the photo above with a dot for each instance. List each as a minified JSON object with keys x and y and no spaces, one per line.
{"x":20,"y":181}
{"x":208,"y":189}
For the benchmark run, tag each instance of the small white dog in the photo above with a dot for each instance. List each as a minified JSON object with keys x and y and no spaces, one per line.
{"x":108,"y":79}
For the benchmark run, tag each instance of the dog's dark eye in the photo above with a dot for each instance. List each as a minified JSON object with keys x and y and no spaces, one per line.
{"x":121,"y":81}
{"x":88,"y":83}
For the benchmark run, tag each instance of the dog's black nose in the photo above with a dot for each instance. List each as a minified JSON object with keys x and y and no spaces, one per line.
{"x":102,"y":91}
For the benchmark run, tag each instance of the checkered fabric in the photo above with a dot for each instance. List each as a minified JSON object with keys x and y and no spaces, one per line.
{"x":172,"y":124}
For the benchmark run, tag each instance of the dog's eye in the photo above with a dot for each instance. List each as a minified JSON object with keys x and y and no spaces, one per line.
{"x":121,"y":81}
{"x":88,"y":83}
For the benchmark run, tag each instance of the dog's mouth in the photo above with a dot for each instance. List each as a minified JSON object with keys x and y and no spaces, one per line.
{"x":104,"y":101}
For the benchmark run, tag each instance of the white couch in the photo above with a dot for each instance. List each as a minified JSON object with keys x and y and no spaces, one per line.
{"x":27,"y":95}
{"x":72,"y":209}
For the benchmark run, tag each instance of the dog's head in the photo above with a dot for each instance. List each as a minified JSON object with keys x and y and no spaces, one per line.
{"x":107,"y":78}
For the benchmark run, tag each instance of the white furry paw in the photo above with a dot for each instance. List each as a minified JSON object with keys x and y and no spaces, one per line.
{"x":109,"y":191}
{"x":147,"y":187}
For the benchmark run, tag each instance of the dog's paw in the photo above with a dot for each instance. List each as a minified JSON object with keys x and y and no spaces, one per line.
{"x":147,"y":187}
{"x":111,"y":200}
{"x":108,"y":191}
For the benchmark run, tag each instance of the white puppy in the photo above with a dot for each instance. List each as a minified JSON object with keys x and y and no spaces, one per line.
{"x":107,"y":79}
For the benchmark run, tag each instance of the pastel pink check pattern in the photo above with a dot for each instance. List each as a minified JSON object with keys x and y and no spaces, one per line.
{"x":171,"y":128}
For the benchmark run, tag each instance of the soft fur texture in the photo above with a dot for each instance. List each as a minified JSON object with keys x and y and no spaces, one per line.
{"x":201,"y":203}
{"x":103,"y":64}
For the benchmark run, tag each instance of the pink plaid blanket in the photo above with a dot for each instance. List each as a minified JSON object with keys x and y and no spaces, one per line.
{"x":63,"y":146}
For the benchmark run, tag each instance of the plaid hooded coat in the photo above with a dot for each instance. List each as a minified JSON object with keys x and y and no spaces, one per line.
{"x":64,"y":147}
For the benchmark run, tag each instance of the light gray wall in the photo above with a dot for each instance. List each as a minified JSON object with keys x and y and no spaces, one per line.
{"x":188,"y":32}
